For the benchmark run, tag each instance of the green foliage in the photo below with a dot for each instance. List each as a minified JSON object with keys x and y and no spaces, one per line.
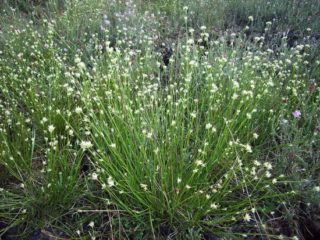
{"x":102,"y":135}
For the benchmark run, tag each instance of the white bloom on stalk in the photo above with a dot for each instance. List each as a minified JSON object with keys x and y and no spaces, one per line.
{"x":193,"y":63}
{"x":257,"y":163}
{"x":51,"y":128}
{"x":193,"y":114}
{"x":203,"y":28}
{"x":77,"y":60}
{"x":81,"y":66}
{"x":214,"y":206}
{"x":268,"y":174}
{"x":78,"y":110}
{"x":85,"y":145}
{"x":44,"y":119}
{"x":91,"y":224}
{"x":156,"y":151}
{"x":199,"y":163}
{"x":110,"y":181}
{"x":234,"y":96}
{"x":149,"y":135}
{"x":144,"y":186}
{"x":208,"y":126}
{"x":268,"y":165}
{"x":248,"y":148}
{"x":247,"y":217}
{"x":94,"y":176}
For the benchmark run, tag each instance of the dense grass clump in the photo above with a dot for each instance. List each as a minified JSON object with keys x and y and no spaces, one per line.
{"x":114,"y":127}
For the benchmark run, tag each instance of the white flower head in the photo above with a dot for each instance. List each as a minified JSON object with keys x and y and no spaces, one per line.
{"x":91,"y":224}
{"x":78,"y":110}
{"x":81,"y":65}
{"x":51,"y":128}
{"x":94,"y":176}
{"x":110,"y":181}
{"x":193,"y":114}
{"x":199,"y":163}
{"x":144,"y":186}
{"x":268,"y":165}
{"x":214,"y":205}
{"x":247,"y":217}
{"x":77,"y":60}
{"x":248,"y":148}
{"x":268,"y":174}
{"x":85,"y":145}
